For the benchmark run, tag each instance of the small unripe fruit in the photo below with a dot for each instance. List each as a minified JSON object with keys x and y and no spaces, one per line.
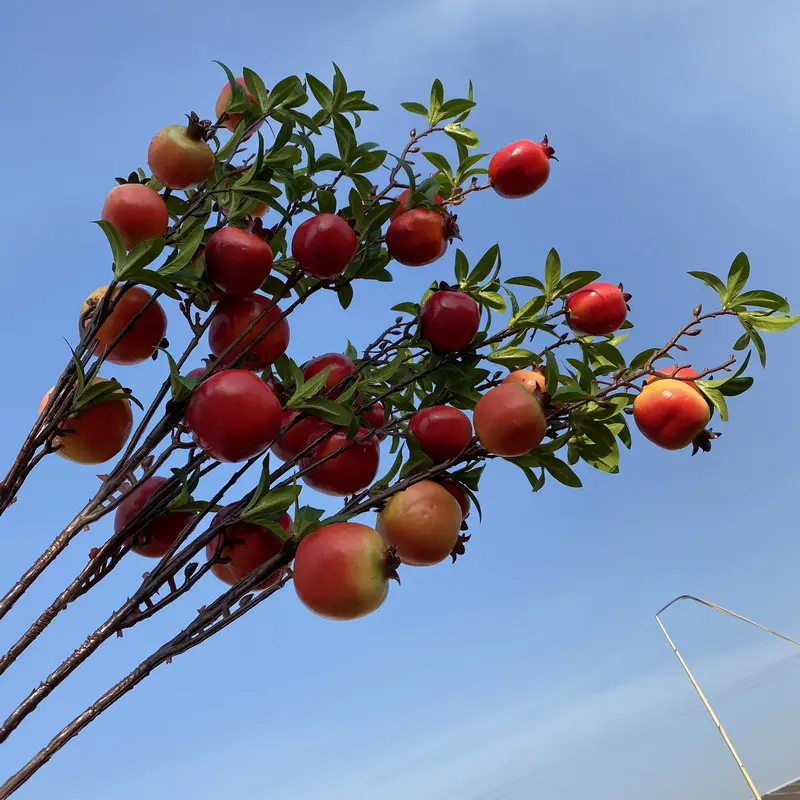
{"x":324,"y":245}
{"x":233,"y":317}
{"x":597,"y":309}
{"x":509,"y":420}
{"x":233,"y":415}
{"x":422,"y":522}
{"x":671,"y":413}
{"x":159,"y":534}
{"x":442,"y":431}
{"x":341,"y":571}
{"x":246,"y":547}
{"x":450,"y":319}
{"x":418,"y":237}
{"x":178,"y":156}
{"x":521,"y":168}
{"x":142,"y":339}
{"x":235,"y":118}
{"x":95,"y":434}
{"x":137,"y":212}
{"x":237,"y":261}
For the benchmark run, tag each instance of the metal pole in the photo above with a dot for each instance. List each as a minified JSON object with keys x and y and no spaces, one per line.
{"x":696,"y":685}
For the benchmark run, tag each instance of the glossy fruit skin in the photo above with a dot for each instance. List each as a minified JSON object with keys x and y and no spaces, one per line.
{"x":233,"y":119}
{"x":671,"y":372}
{"x":442,"y":431}
{"x":177,"y":159}
{"x":520,"y":168}
{"x":351,"y":471}
{"x":671,"y":413}
{"x":531,"y":379}
{"x":597,"y":309}
{"x":96,"y":434}
{"x":249,"y":546}
{"x":340,"y":571}
{"x":402,"y":199}
{"x":459,"y":493}
{"x":162,"y":531}
{"x":341,"y":366}
{"x":233,"y":415}
{"x":376,"y":416}
{"x":233,"y":316}
{"x":509,"y":420}
{"x":324,"y":245}
{"x":418,"y":237}
{"x":450,"y":320}
{"x":423,"y":522}
{"x":290,"y":444}
{"x":237,"y":261}
{"x":142,"y":339}
{"x":137,"y":212}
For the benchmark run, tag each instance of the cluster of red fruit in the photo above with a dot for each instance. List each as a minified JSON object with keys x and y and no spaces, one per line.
{"x":340,"y":570}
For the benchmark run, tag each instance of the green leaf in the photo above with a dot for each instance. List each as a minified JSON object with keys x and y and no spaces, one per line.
{"x":184,"y":253}
{"x":286,"y":92}
{"x":484,"y":267}
{"x":640,"y":359}
{"x":762,"y":299}
{"x":561,"y":471}
{"x":407,"y":308}
{"x":737,"y":278}
{"x":311,"y":387}
{"x":345,"y":137}
{"x":551,"y":373}
{"x":526,"y":280}
{"x":769,"y":323}
{"x":513,"y":357}
{"x":369,"y":162}
{"x":101,"y":392}
{"x":256,"y":87}
{"x":552,"y":274}
{"x":116,"y":241}
{"x":272,"y":505}
{"x":461,"y":135}
{"x":461,"y":266}
{"x":716,"y":397}
{"x":415,"y":108}
{"x":493,"y":300}
{"x":417,"y":462}
{"x":436,"y":101}
{"x":383,"y":482}
{"x":452,"y":108}
{"x":440,"y":163}
{"x":576,"y":280}
{"x":710,"y":280}
{"x":326,"y":201}
{"x":345,"y":295}
{"x":758,"y":343}
{"x":322,"y":94}
{"x":157,"y":281}
{"x":329,"y":410}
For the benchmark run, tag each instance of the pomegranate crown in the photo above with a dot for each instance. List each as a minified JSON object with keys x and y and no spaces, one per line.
{"x":549,"y":151}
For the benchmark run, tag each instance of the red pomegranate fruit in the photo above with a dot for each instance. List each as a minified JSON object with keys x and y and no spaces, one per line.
{"x":450,"y":319}
{"x":324,"y":245}
{"x":237,"y":261}
{"x":597,"y":309}
{"x":233,"y":415}
{"x":442,"y":431}
{"x":137,"y":211}
{"x":521,"y":168}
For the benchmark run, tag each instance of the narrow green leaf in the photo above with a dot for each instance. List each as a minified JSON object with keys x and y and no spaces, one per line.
{"x":329,"y":410}
{"x":415,"y":108}
{"x":526,"y":280}
{"x":769,"y":324}
{"x":737,"y":278}
{"x":440,"y":163}
{"x":710,"y":280}
{"x":436,"y":101}
{"x":514,"y":357}
{"x":311,"y":387}
{"x":552,"y":274}
{"x":492,"y":300}
{"x":484,"y":267}
{"x":576,"y":280}
{"x":274,"y":503}
{"x":116,"y":241}
{"x":322,"y":94}
{"x":561,"y":472}
{"x":461,"y":135}
{"x":551,"y":373}
{"x":461,"y":266}
{"x":345,"y":295}
{"x":762,"y":299}
{"x":716,"y":397}
{"x":256,"y":88}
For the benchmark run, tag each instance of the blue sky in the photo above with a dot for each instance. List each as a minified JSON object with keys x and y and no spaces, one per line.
{"x":534,"y":666}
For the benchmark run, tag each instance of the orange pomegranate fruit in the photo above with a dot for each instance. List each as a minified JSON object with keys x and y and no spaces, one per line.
{"x":179,"y":156}
{"x":671,"y":413}
{"x":422,"y":522}
{"x":137,"y":211}
{"x":509,"y":420}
